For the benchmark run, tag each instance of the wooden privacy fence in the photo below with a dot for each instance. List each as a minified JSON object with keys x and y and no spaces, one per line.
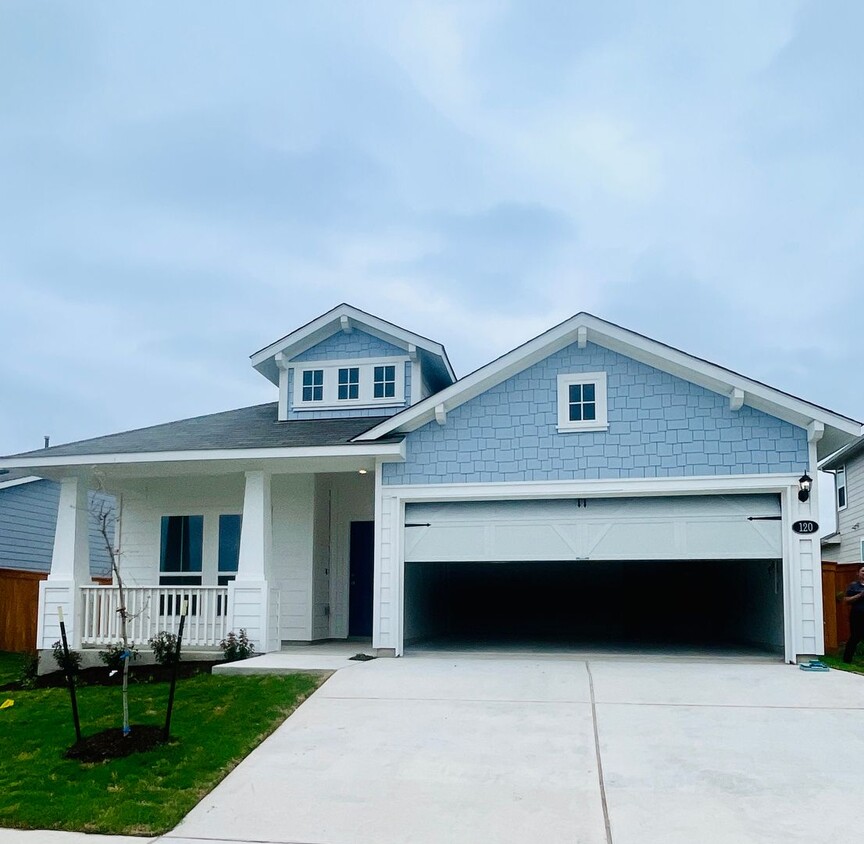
{"x":836,"y":578}
{"x":19,"y":607}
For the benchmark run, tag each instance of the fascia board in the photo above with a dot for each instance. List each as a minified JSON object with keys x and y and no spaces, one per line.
{"x":847,"y":453}
{"x":328,"y":324}
{"x":394,"y":450}
{"x":19,"y":481}
{"x":666,"y":358}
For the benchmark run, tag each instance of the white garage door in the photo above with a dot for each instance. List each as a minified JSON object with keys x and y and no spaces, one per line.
{"x":662,"y":528}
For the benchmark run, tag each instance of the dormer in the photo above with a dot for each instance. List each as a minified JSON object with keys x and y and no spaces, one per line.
{"x":350,"y":363}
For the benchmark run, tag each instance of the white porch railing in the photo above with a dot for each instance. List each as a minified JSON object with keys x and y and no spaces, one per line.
{"x":154,"y":608}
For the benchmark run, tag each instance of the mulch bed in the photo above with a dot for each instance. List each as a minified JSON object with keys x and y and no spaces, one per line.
{"x":100,"y":675}
{"x":112,"y":744}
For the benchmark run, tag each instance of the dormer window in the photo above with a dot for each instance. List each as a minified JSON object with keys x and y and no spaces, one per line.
{"x":384,"y":384}
{"x":313,"y":385}
{"x":349,"y":383}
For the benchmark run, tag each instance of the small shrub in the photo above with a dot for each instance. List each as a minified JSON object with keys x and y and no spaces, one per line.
{"x":112,"y":656}
{"x":164,"y":646}
{"x":71,"y":664}
{"x":237,"y":646}
{"x":29,"y":671}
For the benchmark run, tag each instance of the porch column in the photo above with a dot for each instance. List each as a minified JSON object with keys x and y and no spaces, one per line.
{"x":249,"y":594}
{"x":70,"y":567}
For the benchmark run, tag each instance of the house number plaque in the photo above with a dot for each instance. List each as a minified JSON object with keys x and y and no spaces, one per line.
{"x":805,"y":526}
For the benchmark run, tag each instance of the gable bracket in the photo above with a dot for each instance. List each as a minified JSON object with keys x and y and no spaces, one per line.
{"x":440,"y":414}
{"x":581,"y":336}
{"x":345,"y":322}
{"x":736,"y":399}
{"x":281,"y":361}
{"x":412,"y":352}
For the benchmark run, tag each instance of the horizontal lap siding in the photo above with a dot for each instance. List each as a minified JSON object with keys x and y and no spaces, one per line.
{"x":28,"y":517}
{"x":850,"y":535}
{"x":659,"y":426}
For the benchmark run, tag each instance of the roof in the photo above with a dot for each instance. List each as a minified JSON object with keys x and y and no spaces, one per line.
{"x":245,"y":428}
{"x":345,"y":317}
{"x":847,"y":453}
{"x":16,"y":477}
{"x":830,"y":430}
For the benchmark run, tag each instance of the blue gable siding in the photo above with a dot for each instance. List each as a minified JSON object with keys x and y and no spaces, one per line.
{"x":28,"y":516}
{"x":357,"y":344}
{"x":659,"y":426}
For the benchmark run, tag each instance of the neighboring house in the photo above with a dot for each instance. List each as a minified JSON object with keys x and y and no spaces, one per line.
{"x":591,"y":482}
{"x":846,"y":544}
{"x":28,"y":516}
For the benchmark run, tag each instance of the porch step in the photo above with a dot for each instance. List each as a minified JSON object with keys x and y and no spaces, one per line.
{"x":305,"y":661}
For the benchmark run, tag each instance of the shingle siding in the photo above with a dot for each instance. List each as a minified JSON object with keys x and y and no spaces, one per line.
{"x":341,"y":346}
{"x":28,"y":515}
{"x":659,"y":426}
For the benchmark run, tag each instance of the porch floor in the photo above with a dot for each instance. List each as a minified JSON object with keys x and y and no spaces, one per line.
{"x":313,"y":658}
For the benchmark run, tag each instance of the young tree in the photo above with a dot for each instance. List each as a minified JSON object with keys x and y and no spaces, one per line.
{"x":106,"y":517}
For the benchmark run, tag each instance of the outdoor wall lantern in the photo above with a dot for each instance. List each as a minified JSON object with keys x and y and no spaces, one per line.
{"x":804,"y":483}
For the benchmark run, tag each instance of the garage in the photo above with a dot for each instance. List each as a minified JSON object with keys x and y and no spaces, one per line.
{"x":690,"y":571}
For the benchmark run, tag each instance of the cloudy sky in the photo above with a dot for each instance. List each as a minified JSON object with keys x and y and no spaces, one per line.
{"x":181,"y":184}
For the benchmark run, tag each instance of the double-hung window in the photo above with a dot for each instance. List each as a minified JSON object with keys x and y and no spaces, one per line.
{"x":349,"y":383}
{"x":384,"y":382}
{"x":582,"y":402}
{"x":313,"y":385}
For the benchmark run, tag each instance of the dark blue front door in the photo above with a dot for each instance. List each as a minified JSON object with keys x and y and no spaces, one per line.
{"x":362,"y":566}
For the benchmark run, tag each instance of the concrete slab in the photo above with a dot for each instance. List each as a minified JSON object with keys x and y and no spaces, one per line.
{"x":27,"y":836}
{"x":369,"y":759}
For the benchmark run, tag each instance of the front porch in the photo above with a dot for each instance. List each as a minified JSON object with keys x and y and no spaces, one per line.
{"x":267,"y":552}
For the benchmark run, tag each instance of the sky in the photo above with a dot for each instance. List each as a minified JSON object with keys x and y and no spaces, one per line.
{"x":183,"y":183}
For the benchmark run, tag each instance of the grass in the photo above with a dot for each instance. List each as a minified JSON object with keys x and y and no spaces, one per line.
{"x":10,"y":667}
{"x":217,"y":721}
{"x":836,"y":661}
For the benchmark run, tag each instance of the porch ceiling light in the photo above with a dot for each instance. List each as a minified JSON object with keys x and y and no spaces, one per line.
{"x":362,"y":471}
{"x":804,"y":483}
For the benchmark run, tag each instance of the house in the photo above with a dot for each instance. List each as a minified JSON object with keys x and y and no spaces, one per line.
{"x":28,"y":516}
{"x":589,"y":484}
{"x":846,"y":544}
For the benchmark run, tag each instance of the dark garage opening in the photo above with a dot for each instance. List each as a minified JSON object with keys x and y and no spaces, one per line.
{"x":700,"y":604}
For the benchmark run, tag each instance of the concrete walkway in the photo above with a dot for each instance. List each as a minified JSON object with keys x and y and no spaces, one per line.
{"x":500,"y":750}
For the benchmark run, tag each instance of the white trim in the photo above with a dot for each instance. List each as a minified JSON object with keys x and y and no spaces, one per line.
{"x":665,"y":358}
{"x":366,"y":383}
{"x":565,"y":381}
{"x":606,"y":488}
{"x":837,"y":486}
{"x":396,"y":450}
{"x":736,"y":399}
{"x":18,"y":481}
{"x":328,"y":324}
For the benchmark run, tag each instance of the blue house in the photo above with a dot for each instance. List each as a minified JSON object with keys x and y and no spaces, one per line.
{"x":590,"y":486}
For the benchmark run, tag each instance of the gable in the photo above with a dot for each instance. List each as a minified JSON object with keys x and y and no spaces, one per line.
{"x":659,"y":425}
{"x":356,"y":345}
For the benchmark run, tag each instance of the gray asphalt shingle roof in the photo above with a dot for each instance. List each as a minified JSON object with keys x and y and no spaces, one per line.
{"x":247,"y":427}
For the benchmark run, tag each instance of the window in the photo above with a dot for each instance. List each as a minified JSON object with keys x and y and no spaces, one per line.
{"x":862,"y":549}
{"x":384,"y":382}
{"x":181,"y":550}
{"x":313,"y":384}
{"x":229,"y":547}
{"x":582,"y":402}
{"x":349,"y":383}
{"x":840,"y":482}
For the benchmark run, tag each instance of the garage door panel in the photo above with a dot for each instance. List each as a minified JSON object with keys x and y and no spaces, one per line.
{"x":660,"y":528}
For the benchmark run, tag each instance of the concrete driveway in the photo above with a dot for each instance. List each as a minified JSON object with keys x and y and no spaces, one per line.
{"x":435,"y":749}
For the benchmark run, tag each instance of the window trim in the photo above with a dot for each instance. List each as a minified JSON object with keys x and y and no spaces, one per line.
{"x":841,"y":471}
{"x":565,"y":381}
{"x":365,"y":394}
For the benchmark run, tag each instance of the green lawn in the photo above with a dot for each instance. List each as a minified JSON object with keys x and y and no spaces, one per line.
{"x":217,"y":721}
{"x":856,"y":666}
{"x":10,"y":667}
